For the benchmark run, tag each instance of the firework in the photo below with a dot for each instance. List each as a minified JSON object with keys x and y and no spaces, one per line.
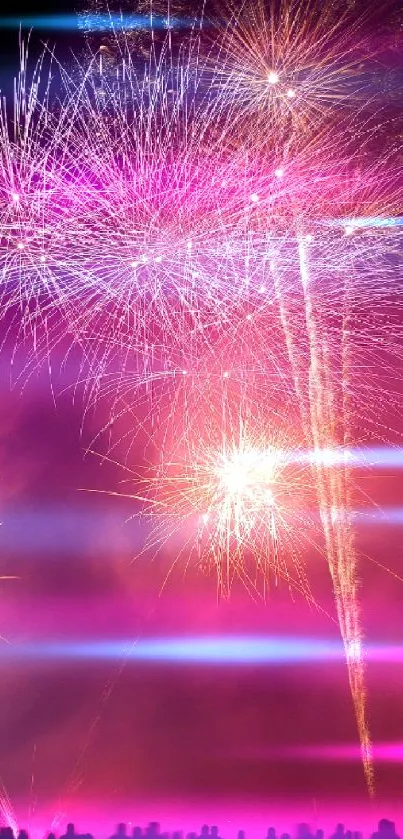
{"x":209,"y":225}
{"x":151,"y":234}
{"x":227,"y":486}
{"x":286,"y":68}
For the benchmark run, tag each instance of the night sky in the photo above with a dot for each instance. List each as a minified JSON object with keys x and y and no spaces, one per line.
{"x":166,"y":731}
{"x":80,"y":736}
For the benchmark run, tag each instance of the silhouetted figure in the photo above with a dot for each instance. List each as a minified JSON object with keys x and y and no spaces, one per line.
{"x":23,"y":834}
{"x":70,"y":832}
{"x":304,"y":831}
{"x":191,"y":836}
{"x":389,"y":829}
{"x":51,"y":836}
{"x":386,"y":830}
{"x":271,"y":833}
{"x":120,"y":831}
{"x":6,"y":833}
{"x":339,"y":832}
{"x":205,"y":832}
{"x":153,"y":830}
{"x":319,"y":833}
{"x":214,"y":832}
{"x":383,"y":831}
{"x":357,"y":834}
{"x":137,"y":833}
{"x":349,"y":834}
{"x":285,"y":836}
{"x":177,"y":834}
{"x":241,"y":834}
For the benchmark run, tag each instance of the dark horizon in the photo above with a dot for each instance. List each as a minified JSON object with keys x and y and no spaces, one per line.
{"x":174,"y":737}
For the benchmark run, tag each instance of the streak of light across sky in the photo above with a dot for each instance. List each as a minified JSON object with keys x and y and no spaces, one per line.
{"x":235,"y":650}
{"x":93,"y":22}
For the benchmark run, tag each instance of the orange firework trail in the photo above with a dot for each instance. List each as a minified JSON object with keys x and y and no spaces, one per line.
{"x":333,"y":496}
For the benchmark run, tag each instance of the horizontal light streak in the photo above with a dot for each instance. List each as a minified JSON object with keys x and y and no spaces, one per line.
{"x":383,"y":752}
{"x":345,"y":752}
{"x":362,"y":222}
{"x":239,"y":650}
{"x":94,"y":22}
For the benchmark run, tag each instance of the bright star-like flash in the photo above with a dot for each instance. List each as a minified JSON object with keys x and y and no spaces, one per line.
{"x":241,"y":498}
{"x":272,"y":77}
{"x":246,"y":480}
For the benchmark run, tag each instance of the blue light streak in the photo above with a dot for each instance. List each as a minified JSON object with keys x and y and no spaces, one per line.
{"x":373,"y":457}
{"x":239,"y":650}
{"x":363,"y":222}
{"x":56,"y":532}
{"x":387,"y":516}
{"x":95,"y":22}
